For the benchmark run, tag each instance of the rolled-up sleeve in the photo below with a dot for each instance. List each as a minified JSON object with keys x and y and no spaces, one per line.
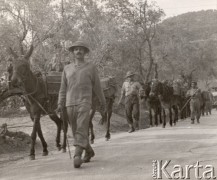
{"x":62,"y":91}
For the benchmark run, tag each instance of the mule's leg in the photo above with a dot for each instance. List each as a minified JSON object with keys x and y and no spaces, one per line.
{"x":198,"y":116}
{"x":207,"y":108}
{"x":33,"y":138}
{"x":92,"y":136}
{"x":36,"y":119}
{"x":170,"y":116}
{"x":155,"y":116}
{"x":210,"y":108}
{"x":58,"y":123}
{"x":64,"y":119}
{"x":175,"y":109}
{"x":160,"y":114}
{"x":203,"y":110}
{"x":108,"y":118}
{"x":34,"y":131}
{"x":109,"y":115}
{"x":174,"y":116}
{"x":108,"y":135}
{"x":164,"y":118}
{"x":103,"y":114}
{"x":184,"y":113}
{"x":150,"y":116}
{"x":44,"y":144}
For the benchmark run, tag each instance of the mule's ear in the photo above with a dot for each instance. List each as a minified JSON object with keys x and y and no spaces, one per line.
{"x":11,"y":51}
{"x":29,"y":53}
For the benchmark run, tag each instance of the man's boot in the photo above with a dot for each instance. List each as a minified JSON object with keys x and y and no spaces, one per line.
{"x":89,"y":153}
{"x":131,"y":128}
{"x":77,"y":157}
{"x":192,"y":121}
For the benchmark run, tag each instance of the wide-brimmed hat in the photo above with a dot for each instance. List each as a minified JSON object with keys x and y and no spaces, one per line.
{"x":129,"y":74}
{"x":194,"y":82}
{"x":78,"y":44}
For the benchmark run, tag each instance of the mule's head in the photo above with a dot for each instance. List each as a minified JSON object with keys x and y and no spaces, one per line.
{"x":155,"y":88}
{"x":21,"y":72}
{"x":144,"y":92}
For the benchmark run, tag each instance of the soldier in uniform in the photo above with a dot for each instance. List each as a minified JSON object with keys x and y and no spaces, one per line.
{"x":79,"y":81}
{"x":130,"y":94}
{"x":195,"y":102}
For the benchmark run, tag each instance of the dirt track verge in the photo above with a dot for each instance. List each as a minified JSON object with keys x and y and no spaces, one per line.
{"x":15,"y":144}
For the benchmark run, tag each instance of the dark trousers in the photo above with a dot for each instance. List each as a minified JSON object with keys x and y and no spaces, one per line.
{"x":79,"y":117}
{"x":132,"y":109}
{"x":195,"y":108}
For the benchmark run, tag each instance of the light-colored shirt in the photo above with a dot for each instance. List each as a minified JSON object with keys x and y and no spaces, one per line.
{"x":130,"y":88}
{"x":78,"y":85}
{"x":194,"y":93}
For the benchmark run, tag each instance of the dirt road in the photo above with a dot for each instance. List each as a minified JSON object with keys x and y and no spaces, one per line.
{"x":130,"y":156}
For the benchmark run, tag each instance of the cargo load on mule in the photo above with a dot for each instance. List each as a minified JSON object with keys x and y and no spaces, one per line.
{"x":53,"y":81}
{"x":109,"y":86}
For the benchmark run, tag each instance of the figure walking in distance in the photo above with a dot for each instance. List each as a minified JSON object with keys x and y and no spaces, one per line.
{"x":195,"y":101}
{"x":130,"y":95}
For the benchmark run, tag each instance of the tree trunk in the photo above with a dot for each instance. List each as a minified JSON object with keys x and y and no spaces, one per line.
{"x":151,"y":61}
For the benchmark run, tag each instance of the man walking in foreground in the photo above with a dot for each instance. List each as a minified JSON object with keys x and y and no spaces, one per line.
{"x":130,"y":92}
{"x":79,"y":81}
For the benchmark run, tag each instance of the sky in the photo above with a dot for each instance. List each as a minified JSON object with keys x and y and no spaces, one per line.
{"x":177,"y":7}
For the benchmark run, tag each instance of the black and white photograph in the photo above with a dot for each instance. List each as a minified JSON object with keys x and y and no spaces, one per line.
{"x":108,"y":89}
